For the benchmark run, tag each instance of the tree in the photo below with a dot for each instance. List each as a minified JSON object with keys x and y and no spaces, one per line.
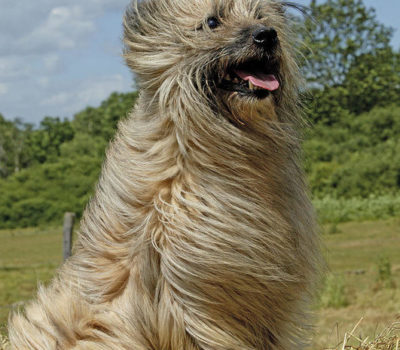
{"x":338,"y":32}
{"x":64,"y":160}
{"x":3,"y":146}
{"x":102,"y":121}
{"x":45,"y":142}
{"x":373,"y":80}
{"x":13,"y":145}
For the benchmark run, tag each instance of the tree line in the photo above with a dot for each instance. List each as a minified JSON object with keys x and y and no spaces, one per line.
{"x":351,"y":150}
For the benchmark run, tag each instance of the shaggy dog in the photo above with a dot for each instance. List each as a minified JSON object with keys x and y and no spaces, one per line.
{"x":200,"y":234}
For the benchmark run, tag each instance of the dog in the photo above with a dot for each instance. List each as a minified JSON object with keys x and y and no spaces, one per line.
{"x":201,"y":234}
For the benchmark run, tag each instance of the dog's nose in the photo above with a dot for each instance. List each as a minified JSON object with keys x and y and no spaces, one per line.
{"x":265,"y":37}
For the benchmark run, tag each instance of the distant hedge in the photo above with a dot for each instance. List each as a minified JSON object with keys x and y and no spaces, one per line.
{"x":356,"y":158}
{"x":353,"y":167}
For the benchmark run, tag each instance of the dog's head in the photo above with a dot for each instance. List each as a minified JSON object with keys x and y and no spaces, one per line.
{"x":236,"y":54}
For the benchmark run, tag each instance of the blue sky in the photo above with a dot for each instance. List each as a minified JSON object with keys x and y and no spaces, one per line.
{"x":59,"y":56}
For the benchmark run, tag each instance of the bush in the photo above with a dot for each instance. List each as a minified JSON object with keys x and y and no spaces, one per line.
{"x":334,"y":210}
{"x":385,"y":277}
{"x":333,"y":229}
{"x":333,"y":293}
{"x":357,"y":157}
{"x":41,"y":194}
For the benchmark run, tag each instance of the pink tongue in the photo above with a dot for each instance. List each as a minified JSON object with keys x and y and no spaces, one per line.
{"x":265,"y":81}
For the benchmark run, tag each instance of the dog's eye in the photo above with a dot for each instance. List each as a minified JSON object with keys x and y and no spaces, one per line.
{"x":212,"y":22}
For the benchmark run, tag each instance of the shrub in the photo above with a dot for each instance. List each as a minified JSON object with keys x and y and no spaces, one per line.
{"x":333,"y":293}
{"x":334,"y":210}
{"x":385,"y":277}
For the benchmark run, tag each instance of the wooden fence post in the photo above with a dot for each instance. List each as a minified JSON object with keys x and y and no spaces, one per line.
{"x":69,"y":219}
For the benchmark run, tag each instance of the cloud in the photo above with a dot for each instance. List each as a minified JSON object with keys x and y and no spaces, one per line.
{"x":3,"y":89}
{"x":64,"y":28}
{"x":14,"y":67}
{"x":71,"y":98}
{"x":23,"y":67}
{"x":54,"y":58}
{"x":52,"y":63}
{"x":41,"y":26}
{"x":44,"y":96}
{"x":43,"y":82}
{"x":88,"y":92}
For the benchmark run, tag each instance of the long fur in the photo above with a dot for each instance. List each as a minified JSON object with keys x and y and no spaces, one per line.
{"x":200,"y":234}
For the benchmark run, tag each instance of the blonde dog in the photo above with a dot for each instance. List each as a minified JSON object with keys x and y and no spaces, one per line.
{"x":200,"y":235}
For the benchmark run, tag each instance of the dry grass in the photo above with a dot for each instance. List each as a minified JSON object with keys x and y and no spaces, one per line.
{"x":353,"y":254}
{"x":3,"y":343}
{"x":389,"y":339}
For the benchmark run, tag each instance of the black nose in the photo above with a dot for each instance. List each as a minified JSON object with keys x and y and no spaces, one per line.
{"x":265,"y":37}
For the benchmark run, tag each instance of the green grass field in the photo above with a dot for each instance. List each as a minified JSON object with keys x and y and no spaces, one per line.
{"x":354,"y":252}
{"x":27,"y":257}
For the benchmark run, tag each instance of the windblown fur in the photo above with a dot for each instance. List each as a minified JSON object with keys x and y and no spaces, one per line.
{"x":200,"y":234}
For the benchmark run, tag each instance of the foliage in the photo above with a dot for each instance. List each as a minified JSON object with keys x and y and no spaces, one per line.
{"x":337,"y":33}
{"x":348,"y":61}
{"x":44,"y":143}
{"x":356,"y":209}
{"x":333,"y":228}
{"x":373,"y":80}
{"x":333,"y":294}
{"x":64,"y":161}
{"x":42,"y":193}
{"x":352,"y":150}
{"x":385,"y":276}
{"x":356,"y":158}
{"x":102,"y":121}
{"x":13,"y":146}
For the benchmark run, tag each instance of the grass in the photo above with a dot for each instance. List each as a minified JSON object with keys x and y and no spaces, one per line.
{"x":363,"y":279}
{"x":27,"y":257}
{"x":357,"y":255}
{"x":388,"y":339}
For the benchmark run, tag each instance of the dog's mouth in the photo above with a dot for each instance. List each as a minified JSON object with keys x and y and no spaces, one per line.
{"x":252,"y":78}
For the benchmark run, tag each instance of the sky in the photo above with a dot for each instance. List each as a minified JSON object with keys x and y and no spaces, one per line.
{"x":59,"y":56}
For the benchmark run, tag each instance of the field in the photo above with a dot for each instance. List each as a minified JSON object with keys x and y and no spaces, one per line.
{"x":355,"y":252}
{"x":363,"y":277}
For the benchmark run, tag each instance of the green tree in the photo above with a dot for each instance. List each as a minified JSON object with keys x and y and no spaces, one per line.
{"x":64,"y":161}
{"x":5,"y":126}
{"x":14,"y":154}
{"x":45,"y":142}
{"x":102,"y":121}
{"x":358,"y":157}
{"x":349,"y":64}
{"x":373,"y":80}
{"x":338,"y":33}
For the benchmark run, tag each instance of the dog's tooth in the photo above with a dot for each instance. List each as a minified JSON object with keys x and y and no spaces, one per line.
{"x":251,"y":86}
{"x":236,"y":80}
{"x":228,"y":77}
